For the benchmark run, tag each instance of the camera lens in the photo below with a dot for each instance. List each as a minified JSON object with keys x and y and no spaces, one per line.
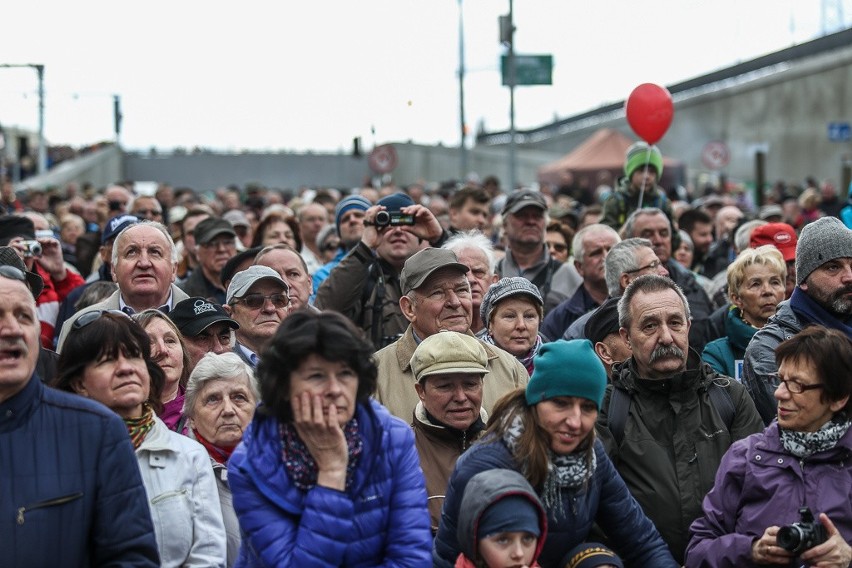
{"x":789,"y":538}
{"x":382,"y":219}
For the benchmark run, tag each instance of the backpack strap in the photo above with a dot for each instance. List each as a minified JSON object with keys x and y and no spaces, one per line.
{"x":721,"y":400}
{"x":619,"y":405}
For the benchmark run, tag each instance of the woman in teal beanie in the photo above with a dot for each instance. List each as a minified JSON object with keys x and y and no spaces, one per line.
{"x":546,"y":432}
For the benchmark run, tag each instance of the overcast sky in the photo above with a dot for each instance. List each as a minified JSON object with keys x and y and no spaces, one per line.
{"x":311,"y":75}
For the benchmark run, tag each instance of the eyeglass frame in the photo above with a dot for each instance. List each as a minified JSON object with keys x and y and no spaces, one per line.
{"x":776,"y":378}
{"x":264,"y":298}
{"x":651,"y":265}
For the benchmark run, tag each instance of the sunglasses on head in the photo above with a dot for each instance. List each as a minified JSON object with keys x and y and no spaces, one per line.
{"x":12,"y":273}
{"x":89,"y":317}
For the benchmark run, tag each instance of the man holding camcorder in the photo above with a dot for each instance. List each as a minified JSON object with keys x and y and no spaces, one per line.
{"x":365,"y":285}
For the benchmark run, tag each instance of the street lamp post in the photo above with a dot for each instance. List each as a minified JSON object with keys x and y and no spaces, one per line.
{"x":42,"y":147}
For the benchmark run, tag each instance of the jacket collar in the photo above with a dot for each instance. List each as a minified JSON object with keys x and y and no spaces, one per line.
{"x":15,"y":410}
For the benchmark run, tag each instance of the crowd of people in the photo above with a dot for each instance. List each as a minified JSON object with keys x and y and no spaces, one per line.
{"x":448,"y":376}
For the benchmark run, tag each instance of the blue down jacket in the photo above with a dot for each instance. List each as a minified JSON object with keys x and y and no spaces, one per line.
{"x":606,"y":501}
{"x":382,"y":520}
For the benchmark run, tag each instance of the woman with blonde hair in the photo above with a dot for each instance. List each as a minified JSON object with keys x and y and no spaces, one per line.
{"x":756,"y":285}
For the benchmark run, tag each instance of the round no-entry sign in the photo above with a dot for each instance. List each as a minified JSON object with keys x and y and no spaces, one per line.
{"x":715,"y":155}
{"x":383,"y":159}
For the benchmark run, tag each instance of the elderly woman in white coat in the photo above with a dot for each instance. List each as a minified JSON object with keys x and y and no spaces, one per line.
{"x":221,"y":396}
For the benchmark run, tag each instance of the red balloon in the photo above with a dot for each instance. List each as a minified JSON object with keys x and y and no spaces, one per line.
{"x":649,"y":111}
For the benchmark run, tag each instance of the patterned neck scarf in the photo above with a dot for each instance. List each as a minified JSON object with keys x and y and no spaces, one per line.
{"x":806,"y":444}
{"x":138,"y":428}
{"x":220,"y":454}
{"x":301,"y":465}
{"x":569,"y":471}
{"x":526,"y":360}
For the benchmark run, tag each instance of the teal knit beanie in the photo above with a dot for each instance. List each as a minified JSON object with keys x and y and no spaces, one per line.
{"x":567,"y":368}
{"x":638,"y":156}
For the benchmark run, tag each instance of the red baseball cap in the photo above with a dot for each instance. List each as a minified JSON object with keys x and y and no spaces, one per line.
{"x":781,"y":235}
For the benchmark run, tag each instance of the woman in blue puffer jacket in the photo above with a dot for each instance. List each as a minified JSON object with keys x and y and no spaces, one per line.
{"x":324,"y":476}
{"x":547,"y":433}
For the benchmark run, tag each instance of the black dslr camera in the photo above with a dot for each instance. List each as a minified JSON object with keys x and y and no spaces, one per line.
{"x":803,"y":535}
{"x":393,"y":218}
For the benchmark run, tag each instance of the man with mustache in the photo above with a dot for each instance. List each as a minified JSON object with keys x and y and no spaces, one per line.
{"x":668,"y":418}
{"x":823,"y":296}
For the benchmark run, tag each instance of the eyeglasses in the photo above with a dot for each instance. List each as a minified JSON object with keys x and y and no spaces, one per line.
{"x":226,"y":243}
{"x":89,"y":317}
{"x":12,"y":273}
{"x":794,"y":386}
{"x":651,"y":266}
{"x":257,"y":301}
{"x":330,"y":247}
{"x":144,"y":212}
{"x":558,"y":247}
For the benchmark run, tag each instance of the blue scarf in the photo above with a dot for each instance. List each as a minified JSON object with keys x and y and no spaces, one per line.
{"x":809,"y":310}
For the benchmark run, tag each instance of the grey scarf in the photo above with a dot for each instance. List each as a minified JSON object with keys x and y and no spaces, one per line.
{"x":570,"y":471}
{"x":806,"y":444}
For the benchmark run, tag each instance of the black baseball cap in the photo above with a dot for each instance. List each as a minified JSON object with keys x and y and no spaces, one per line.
{"x":194,"y":315}
{"x":209,"y":229}
{"x":524,"y":198}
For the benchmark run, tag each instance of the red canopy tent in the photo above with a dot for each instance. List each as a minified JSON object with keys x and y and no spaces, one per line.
{"x":603,"y":151}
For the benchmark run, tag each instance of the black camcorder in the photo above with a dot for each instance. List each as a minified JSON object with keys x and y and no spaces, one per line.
{"x":801,"y":536}
{"x":393,"y":218}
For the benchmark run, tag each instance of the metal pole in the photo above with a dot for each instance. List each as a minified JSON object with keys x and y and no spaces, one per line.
{"x":463,"y":146}
{"x":512,"y":81}
{"x":42,"y":147}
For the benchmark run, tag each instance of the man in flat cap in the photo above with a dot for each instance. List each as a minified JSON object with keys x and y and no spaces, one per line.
{"x":436,"y":297}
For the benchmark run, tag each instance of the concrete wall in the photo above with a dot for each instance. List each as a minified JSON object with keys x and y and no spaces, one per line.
{"x":782,"y":108}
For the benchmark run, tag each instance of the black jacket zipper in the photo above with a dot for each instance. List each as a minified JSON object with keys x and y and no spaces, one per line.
{"x":48,"y":503}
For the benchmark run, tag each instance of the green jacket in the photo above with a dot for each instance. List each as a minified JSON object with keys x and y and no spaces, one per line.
{"x":622,"y":202}
{"x":674,"y":439}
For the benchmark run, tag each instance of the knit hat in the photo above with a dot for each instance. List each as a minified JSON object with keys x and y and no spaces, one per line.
{"x":513,"y":513}
{"x":420,"y":266}
{"x":825,"y":239}
{"x":780,"y":235}
{"x":348,"y":204}
{"x":589,"y":555}
{"x":638,"y":156}
{"x":509,"y":286}
{"x":603,"y":321}
{"x":395,"y":201}
{"x":449,"y":352}
{"x":567,"y":368}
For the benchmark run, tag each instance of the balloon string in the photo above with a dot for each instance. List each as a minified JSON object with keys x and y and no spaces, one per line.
{"x":644,"y":177}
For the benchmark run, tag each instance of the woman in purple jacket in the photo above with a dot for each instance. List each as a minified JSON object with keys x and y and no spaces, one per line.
{"x":769,"y":484}
{"x":324,"y":476}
